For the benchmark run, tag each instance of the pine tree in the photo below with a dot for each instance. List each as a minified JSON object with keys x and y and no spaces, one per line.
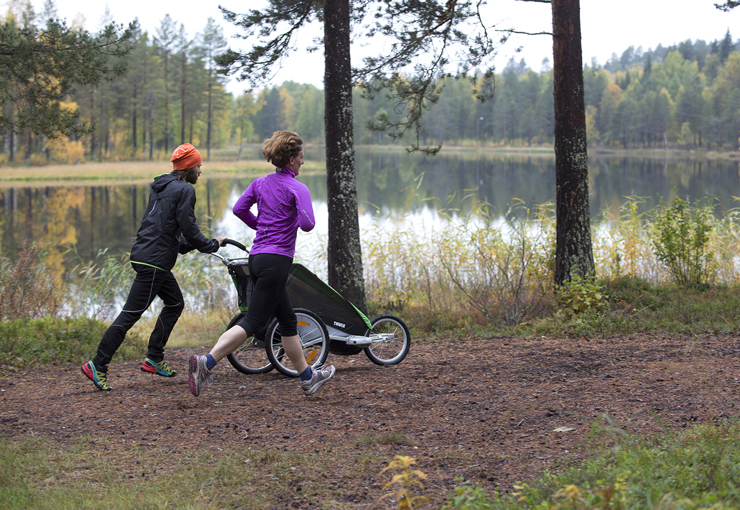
{"x":166,"y":35}
{"x":211,"y":45}
{"x":41,"y":67}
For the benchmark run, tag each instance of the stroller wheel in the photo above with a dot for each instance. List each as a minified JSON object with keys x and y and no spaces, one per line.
{"x":250,"y":357}
{"x":314,"y":340}
{"x":391,"y":340}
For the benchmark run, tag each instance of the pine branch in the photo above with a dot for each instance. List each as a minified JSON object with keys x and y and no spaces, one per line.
{"x":512,"y":31}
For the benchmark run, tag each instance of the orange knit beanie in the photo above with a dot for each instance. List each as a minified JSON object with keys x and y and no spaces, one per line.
{"x":185,"y":157}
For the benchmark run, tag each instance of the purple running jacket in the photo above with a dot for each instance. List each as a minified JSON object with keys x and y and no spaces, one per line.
{"x":283,"y":206}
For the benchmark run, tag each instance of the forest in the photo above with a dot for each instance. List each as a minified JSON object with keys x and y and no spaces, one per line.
{"x":681,"y":96}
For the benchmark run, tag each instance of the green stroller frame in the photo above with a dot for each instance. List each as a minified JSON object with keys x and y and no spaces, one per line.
{"x":327,"y":322}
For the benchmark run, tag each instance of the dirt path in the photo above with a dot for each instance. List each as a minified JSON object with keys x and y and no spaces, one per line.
{"x":483,"y":409}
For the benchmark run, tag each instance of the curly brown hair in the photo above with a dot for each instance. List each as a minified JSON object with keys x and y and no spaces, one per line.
{"x":282,"y":146}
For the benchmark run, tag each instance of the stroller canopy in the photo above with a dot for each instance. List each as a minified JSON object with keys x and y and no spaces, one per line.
{"x":309,"y":291}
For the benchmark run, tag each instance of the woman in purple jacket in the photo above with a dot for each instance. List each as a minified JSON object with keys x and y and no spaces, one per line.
{"x":283,"y":206}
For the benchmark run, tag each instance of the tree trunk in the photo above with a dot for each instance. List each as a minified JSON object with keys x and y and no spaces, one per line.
{"x":210,"y":119}
{"x":151,"y":126}
{"x":134,"y":106}
{"x":573,"y":252}
{"x":166,"y":103}
{"x":29,"y":146}
{"x":183,"y":88}
{"x":344,"y":250}
{"x":92,"y":123}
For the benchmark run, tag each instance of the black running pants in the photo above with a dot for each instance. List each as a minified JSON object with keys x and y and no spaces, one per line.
{"x":270,"y":297}
{"x":150,"y":282}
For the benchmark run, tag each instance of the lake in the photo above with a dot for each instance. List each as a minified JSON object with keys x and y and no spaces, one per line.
{"x":91,"y":218}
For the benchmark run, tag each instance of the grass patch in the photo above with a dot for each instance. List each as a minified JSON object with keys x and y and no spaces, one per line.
{"x":192,"y":331}
{"x":689,"y":469}
{"x":131,"y":172}
{"x":631,"y":306}
{"x":57,"y":341}
{"x":35,"y":474}
{"x":636,"y":306}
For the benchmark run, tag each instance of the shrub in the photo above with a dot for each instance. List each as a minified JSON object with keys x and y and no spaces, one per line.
{"x":505,"y":270}
{"x":580,"y":295}
{"x":27,"y":290}
{"x":682,"y":235}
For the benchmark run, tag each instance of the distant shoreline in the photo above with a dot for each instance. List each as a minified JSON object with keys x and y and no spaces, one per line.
{"x":225,"y":165}
{"x":593,"y":151}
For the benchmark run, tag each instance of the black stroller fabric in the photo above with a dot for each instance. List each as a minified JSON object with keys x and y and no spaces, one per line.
{"x":309,"y":291}
{"x":239,"y":271}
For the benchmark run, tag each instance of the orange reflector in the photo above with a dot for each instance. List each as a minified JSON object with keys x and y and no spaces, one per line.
{"x":301,"y":323}
{"x":311,"y":356}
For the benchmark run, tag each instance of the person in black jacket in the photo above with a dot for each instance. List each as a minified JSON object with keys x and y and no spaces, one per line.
{"x":168,"y":228}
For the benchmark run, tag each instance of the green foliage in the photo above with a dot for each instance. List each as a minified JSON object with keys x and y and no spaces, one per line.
{"x":681,"y":241}
{"x":689,"y":469}
{"x":633,"y":305}
{"x":39,"y":68}
{"x":681,"y":96}
{"x":580,"y":295}
{"x":468,"y":497}
{"x":448,"y":32}
{"x":57,"y":341}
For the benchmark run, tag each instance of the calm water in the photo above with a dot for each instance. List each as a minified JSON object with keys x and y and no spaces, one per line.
{"x":92,"y":218}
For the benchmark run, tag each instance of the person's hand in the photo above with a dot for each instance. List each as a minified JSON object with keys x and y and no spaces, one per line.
{"x":221,"y":240}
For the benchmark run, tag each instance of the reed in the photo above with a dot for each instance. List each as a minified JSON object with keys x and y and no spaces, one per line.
{"x":455,"y":271}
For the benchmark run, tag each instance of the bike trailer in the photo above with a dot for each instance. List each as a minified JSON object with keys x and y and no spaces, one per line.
{"x":348,"y":327}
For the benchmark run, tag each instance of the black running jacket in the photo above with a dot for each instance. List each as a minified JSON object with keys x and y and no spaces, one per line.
{"x":169,"y":226}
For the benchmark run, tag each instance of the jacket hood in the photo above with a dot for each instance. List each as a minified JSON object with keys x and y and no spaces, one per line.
{"x":161,"y":181}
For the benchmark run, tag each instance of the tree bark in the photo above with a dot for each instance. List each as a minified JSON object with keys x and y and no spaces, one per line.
{"x":344,"y":249}
{"x":183,"y":88}
{"x":92,"y":123}
{"x":134,"y":106}
{"x":573,"y":252}
{"x":166,"y":102}
{"x":210,"y":115}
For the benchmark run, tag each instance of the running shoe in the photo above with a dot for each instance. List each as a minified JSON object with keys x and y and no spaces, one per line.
{"x":198,"y":374}
{"x":160,"y":368}
{"x":98,"y":377}
{"x":318,"y":378}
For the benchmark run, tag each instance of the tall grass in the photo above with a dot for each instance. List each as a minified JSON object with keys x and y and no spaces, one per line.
{"x":26,"y":290}
{"x":502,"y":266}
{"x":452,"y":272}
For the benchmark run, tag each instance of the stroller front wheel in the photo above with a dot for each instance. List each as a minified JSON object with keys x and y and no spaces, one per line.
{"x":391,"y":340}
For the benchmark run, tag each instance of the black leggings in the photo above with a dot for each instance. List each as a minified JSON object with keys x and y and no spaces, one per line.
{"x":270,"y":297}
{"x":149,"y":283}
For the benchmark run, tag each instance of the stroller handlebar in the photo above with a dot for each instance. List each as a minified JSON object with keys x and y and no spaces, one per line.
{"x":235,"y":243}
{"x":227,"y":260}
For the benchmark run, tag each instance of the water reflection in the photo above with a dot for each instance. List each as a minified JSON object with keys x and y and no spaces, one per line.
{"x":92,"y":218}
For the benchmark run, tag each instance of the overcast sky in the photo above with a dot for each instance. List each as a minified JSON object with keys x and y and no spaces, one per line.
{"x":607,"y":26}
